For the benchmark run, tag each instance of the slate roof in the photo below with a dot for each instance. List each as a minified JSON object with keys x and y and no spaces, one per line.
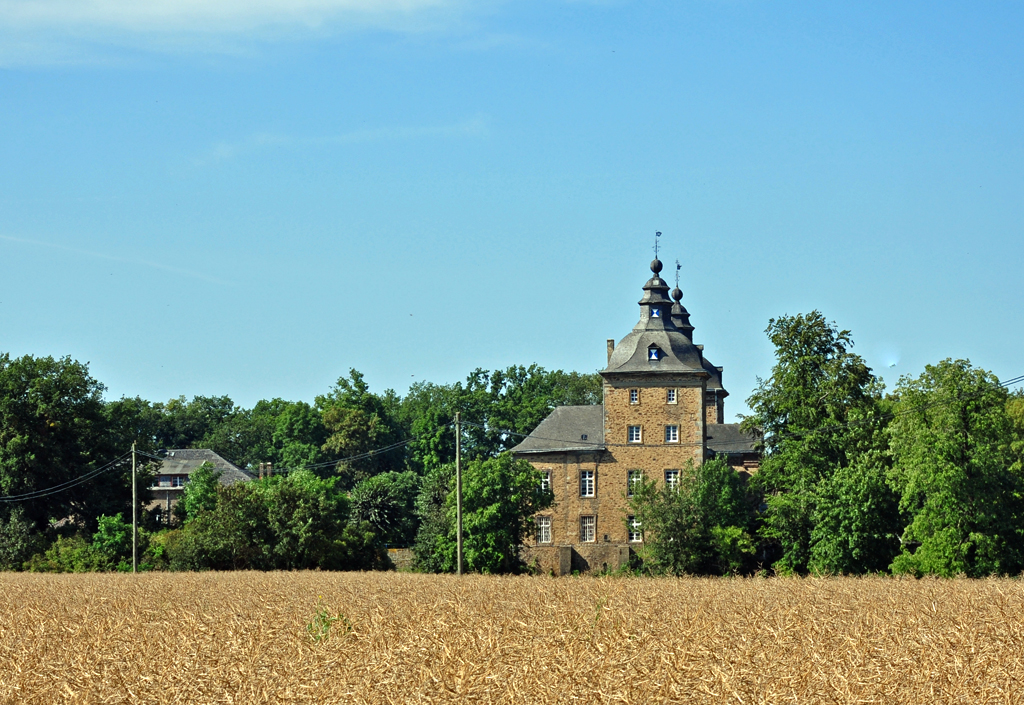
{"x":728,"y":439}
{"x":184,"y":461}
{"x":658,"y":328}
{"x":563,"y":430}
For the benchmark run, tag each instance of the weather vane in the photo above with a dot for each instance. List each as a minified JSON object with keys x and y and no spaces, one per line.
{"x":656,"y":236}
{"x":678,"y":267}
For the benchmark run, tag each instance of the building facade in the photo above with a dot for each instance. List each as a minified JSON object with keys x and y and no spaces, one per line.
{"x":663,"y":407}
{"x":173,"y":472}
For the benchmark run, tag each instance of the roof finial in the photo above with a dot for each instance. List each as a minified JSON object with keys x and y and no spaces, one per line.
{"x":657,"y":235}
{"x":678,"y":267}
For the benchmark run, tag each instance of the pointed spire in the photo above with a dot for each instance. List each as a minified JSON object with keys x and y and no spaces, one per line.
{"x":679,"y":315}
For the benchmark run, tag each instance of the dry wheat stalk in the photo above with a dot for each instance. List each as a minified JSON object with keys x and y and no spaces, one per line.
{"x":241,"y":638}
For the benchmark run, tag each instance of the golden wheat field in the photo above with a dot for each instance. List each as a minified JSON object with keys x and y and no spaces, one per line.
{"x":408,"y":638}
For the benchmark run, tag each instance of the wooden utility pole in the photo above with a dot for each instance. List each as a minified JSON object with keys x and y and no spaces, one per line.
{"x":135,"y":518}
{"x":458,"y":491}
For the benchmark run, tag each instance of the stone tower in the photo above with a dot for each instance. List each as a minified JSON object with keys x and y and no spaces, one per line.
{"x":662,"y":408}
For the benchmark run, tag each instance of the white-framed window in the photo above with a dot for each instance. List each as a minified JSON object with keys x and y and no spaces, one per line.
{"x":671,"y":434}
{"x":635,"y":534}
{"x":177,"y":481}
{"x":545,"y":480}
{"x":586,"y":483}
{"x":634,"y":396}
{"x":163,"y":481}
{"x":670,"y":396}
{"x":672,"y":479}
{"x":543,"y":529}
{"x":588,"y":529}
{"x":633,"y":480}
{"x":633,"y":434}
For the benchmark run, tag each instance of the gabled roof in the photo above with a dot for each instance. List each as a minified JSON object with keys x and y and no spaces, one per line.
{"x":184,"y":461}
{"x":567,"y":428}
{"x":729,"y":439}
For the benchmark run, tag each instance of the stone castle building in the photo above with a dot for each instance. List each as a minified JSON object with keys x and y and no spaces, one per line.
{"x":663,"y":406}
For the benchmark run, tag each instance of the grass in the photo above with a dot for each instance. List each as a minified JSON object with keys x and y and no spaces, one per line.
{"x":401,"y":638}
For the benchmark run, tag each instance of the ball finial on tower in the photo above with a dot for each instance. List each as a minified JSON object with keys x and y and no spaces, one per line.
{"x":656,"y":264}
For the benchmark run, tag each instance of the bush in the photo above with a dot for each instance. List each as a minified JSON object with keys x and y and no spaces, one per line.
{"x":293,"y":522}
{"x":69,"y":555}
{"x":699,"y":527}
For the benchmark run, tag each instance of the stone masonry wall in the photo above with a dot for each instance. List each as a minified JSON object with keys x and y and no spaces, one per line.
{"x":714,"y":407}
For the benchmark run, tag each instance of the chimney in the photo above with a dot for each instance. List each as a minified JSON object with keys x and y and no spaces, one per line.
{"x":611,"y":348}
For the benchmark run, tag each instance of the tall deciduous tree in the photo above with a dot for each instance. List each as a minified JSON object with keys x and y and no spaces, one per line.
{"x":499,"y":498}
{"x":817,"y":410}
{"x":52,"y":431}
{"x":954,"y":467}
{"x":492,"y":405}
{"x":299,"y":436}
{"x":359,"y":423}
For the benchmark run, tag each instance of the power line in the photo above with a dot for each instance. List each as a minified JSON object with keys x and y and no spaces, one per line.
{"x":55,"y":489}
{"x":350,"y":458}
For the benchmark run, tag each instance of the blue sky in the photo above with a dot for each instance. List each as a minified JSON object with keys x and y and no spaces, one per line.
{"x":249,"y":198}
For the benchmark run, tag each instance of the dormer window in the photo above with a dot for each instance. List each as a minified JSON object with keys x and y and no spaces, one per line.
{"x":654,"y":353}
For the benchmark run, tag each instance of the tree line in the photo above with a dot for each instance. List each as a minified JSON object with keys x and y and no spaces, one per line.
{"x":335,"y":500}
{"x":927,"y":478}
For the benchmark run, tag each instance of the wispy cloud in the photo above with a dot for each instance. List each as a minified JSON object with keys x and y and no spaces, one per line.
{"x":46,"y":31}
{"x":474,"y":127}
{"x":208,"y":15}
{"x":135,"y":262}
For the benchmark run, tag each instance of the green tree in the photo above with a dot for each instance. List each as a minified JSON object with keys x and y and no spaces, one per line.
{"x":232,"y":535}
{"x":113,"y":540}
{"x":184,"y":424}
{"x":52,"y":431}
{"x":200,"y":492}
{"x":133,"y":420}
{"x":431,"y":548}
{"x":817,"y":410}
{"x":18,"y":540}
{"x":359,"y":423}
{"x":1015,"y":411}
{"x":515,"y":399}
{"x":284,"y":522}
{"x":953,"y":465}
{"x":857,"y":522}
{"x":427,"y":412}
{"x":387,"y":502}
{"x":299,"y":437}
{"x":698,"y":527}
{"x":307,"y":517}
{"x":499,"y":498}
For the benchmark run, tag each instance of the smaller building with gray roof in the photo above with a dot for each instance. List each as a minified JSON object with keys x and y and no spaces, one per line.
{"x":173,"y":471}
